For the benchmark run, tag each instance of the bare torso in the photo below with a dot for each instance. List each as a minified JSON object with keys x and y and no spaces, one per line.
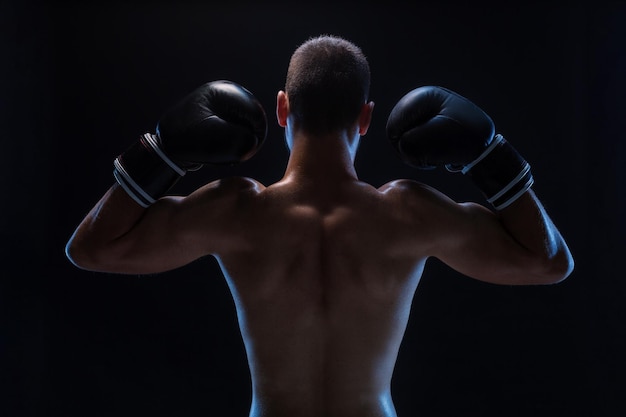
{"x":322,"y":268}
{"x":323,"y":287}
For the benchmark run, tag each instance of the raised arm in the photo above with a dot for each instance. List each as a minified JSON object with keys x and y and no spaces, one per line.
{"x":120,"y":236}
{"x":516,"y":242}
{"x":133,"y":229}
{"x":518,"y":245}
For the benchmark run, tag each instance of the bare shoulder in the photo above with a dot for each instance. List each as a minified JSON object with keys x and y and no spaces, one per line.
{"x":412,"y":193}
{"x":427,"y":206}
{"x":237,"y":184}
{"x":403,"y":184}
{"x":225,"y":189}
{"x":210,"y":218}
{"x":225,"y":199}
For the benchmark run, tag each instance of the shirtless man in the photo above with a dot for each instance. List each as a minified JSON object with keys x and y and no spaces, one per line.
{"x":322,"y":266}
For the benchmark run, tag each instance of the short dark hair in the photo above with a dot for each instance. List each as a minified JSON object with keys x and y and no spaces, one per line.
{"x":328,"y":82}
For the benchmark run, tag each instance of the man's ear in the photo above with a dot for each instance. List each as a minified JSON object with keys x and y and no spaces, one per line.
{"x":365,"y":118}
{"x":282,"y":108}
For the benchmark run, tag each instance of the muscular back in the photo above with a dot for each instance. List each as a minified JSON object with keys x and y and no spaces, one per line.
{"x":322,"y":276}
{"x":323,"y":285}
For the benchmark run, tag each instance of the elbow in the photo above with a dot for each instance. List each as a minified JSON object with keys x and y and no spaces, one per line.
{"x":90,"y":256}
{"x":555,"y":269}
{"x":565,"y":268}
{"x":78,"y":257}
{"x":81,"y":256}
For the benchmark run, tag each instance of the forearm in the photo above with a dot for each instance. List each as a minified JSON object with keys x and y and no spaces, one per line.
{"x":115,"y":214}
{"x":528,"y":223}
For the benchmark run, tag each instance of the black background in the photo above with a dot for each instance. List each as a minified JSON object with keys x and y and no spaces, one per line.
{"x":81,"y":81}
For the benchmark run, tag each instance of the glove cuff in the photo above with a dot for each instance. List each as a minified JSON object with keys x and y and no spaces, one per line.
{"x":501,"y":173}
{"x":145,"y":172}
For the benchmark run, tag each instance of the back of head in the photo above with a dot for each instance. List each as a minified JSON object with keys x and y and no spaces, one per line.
{"x":327,"y":84}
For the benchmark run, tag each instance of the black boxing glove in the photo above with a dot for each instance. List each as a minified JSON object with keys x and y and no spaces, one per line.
{"x":433,"y":126}
{"x":218,"y":123}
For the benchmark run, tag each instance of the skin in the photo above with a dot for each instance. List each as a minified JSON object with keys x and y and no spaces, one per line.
{"x":322,"y":266}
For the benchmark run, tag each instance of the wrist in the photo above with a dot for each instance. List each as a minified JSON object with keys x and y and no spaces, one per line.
{"x":501,"y":173}
{"x":145,"y":172}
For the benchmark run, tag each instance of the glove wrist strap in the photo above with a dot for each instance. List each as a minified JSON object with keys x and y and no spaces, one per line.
{"x":501,"y":173}
{"x":145,"y":172}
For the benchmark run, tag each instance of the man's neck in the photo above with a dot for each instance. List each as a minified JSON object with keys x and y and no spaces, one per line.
{"x":324,"y":160}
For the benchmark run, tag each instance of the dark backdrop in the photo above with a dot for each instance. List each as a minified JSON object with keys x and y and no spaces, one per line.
{"x":80,"y":82}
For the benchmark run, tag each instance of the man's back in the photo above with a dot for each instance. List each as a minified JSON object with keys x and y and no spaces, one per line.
{"x":322,"y":267}
{"x":323,"y":286}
